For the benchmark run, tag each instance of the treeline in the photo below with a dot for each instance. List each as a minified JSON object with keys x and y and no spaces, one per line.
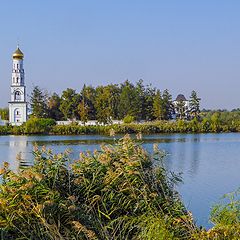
{"x":104,"y":103}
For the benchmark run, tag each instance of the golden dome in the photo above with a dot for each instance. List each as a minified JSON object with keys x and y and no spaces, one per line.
{"x":18,"y":54}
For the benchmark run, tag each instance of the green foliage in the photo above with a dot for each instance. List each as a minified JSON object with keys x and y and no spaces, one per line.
{"x":112,"y":101}
{"x":226,"y":219}
{"x":167,"y":105}
{"x":116,"y":193}
{"x":180,"y":126}
{"x":104,"y":103}
{"x":129,"y":103}
{"x":88,"y":94}
{"x":69,"y":104}
{"x":38,"y":103}
{"x":5,"y":130}
{"x":215,"y":122}
{"x":158,"y":107}
{"x":180,"y":107}
{"x":4,"y":113}
{"x":194,"y":105}
{"x":83,"y":111}
{"x":38,"y":125}
{"x":54,"y":107}
{"x":128,"y":119}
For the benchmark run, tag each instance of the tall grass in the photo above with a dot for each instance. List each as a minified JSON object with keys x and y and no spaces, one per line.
{"x":115,"y":193}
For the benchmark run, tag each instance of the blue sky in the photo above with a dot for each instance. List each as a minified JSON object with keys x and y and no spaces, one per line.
{"x":179,"y":45}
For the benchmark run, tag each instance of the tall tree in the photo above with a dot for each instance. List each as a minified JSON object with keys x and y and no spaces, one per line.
{"x":129,"y":101}
{"x":114,"y":100}
{"x":53,"y":107}
{"x":149,"y":95}
{"x":88,"y":94}
{"x":167,"y":105}
{"x":69,"y":104}
{"x":158,"y":108}
{"x":103,"y":104}
{"x":194,"y":104}
{"x":83,"y":111}
{"x":139,"y":100}
{"x":38,"y":103}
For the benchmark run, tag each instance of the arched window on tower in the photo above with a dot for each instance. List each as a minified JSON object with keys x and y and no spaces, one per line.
{"x":17,"y":96}
{"x":17,"y":115}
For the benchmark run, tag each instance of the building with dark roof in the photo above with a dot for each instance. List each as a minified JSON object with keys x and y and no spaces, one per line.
{"x":181,"y":107}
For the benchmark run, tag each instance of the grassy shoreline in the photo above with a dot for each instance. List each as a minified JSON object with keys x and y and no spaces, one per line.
{"x":48,"y":126}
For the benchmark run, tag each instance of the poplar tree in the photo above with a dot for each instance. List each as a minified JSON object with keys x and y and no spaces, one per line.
{"x":83,"y":111}
{"x":158,"y":108}
{"x":88,"y":94}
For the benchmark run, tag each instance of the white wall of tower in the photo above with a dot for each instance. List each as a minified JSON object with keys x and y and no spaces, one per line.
{"x":17,"y":113}
{"x":17,"y":72}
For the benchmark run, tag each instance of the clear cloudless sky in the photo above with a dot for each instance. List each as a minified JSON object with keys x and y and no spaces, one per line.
{"x":178,"y":45}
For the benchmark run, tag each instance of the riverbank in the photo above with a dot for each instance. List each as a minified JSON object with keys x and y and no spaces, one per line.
{"x":48,"y":126}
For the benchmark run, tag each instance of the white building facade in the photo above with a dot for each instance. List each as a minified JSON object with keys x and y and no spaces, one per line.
{"x":181,"y":106}
{"x":18,"y":103}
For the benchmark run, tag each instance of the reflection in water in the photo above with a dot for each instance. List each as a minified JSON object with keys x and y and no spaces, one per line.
{"x":18,"y":154}
{"x":195,"y":156}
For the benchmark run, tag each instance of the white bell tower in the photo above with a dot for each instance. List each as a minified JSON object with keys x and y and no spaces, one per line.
{"x":18,"y":104}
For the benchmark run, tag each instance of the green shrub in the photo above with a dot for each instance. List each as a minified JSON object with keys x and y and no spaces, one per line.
{"x":226,"y":219}
{"x":4,"y":130}
{"x":48,"y":126}
{"x":128,"y":119}
{"x":38,"y":125}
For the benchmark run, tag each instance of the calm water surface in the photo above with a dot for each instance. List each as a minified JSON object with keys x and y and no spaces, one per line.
{"x":210,"y":163}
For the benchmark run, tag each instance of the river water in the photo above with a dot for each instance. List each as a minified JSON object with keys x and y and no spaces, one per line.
{"x":209,"y":163}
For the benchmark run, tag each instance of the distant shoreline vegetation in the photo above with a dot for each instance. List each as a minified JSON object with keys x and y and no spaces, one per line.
{"x":210,"y":123}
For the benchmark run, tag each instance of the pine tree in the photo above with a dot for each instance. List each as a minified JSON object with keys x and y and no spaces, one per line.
{"x":167,"y":105}
{"x":149,"y":95}
{"x":194,"y":104}
{"x":129,"y":101}
{"x":38,"y":103}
